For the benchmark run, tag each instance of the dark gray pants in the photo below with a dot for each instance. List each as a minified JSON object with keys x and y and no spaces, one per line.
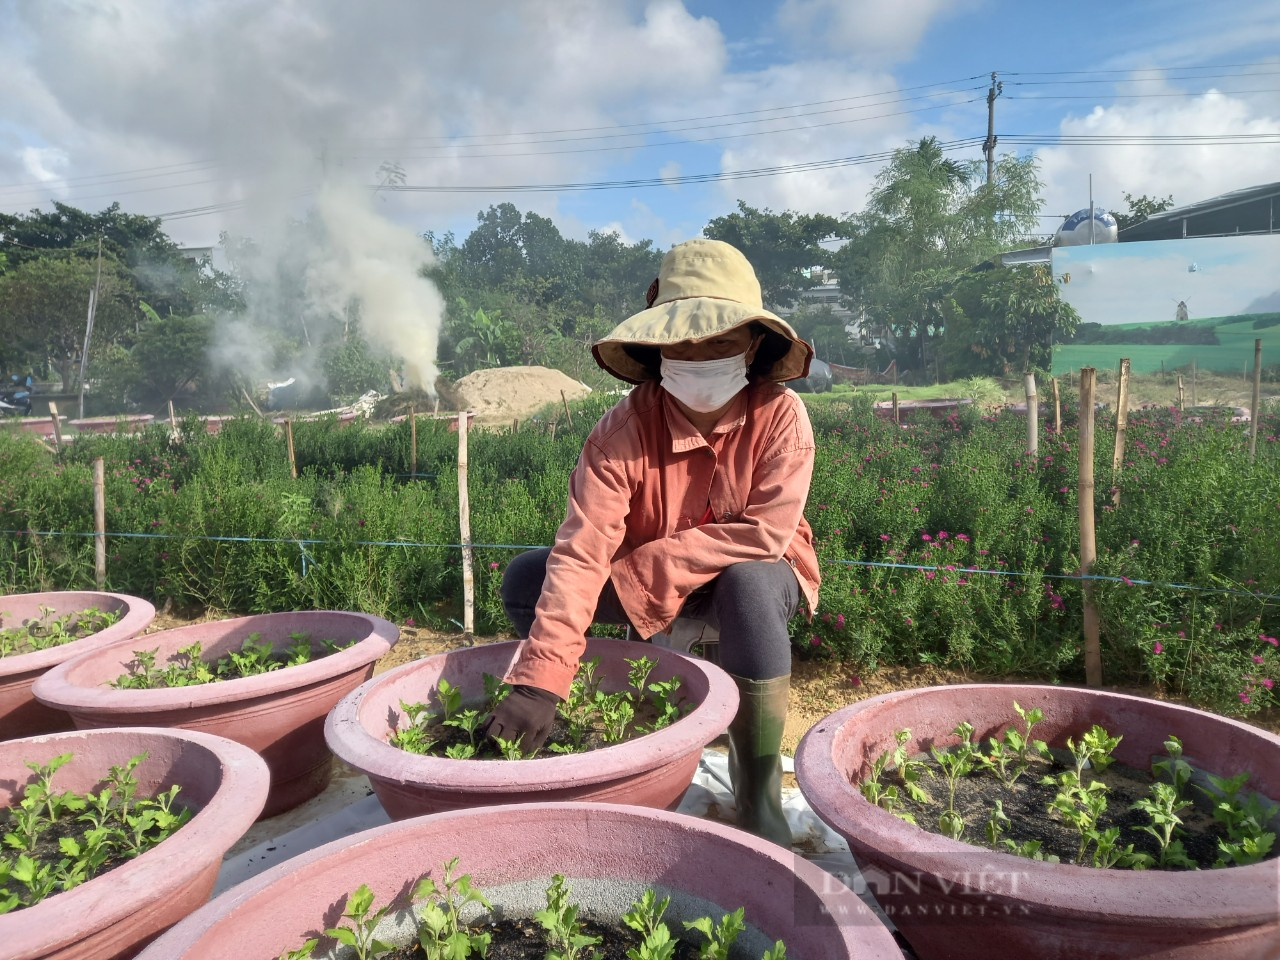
{"x":749,"y":603}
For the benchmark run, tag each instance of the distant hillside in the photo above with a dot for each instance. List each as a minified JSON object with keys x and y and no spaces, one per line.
{"x":1268,"y":304}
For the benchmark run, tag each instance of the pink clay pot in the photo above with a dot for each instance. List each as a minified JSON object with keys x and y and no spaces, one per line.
{"x":21,"y":714}
{"x":279,"y":714}
{"x":653,"y":770}
{"x":130,"y":423}
{"x":116,"y":913}
{"x":954,"y":901}
{"x":41,"y":426}
{"x":609,"y":854}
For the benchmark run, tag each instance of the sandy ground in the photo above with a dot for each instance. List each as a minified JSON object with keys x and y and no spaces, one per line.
{"x":502,"y":394}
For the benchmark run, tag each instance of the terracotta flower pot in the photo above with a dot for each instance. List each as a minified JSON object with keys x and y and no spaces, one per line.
{"x":126,"y":423}
{"x":279,"y":714}
{"x":21,"y":714}
{"x":952,"y":900}
{"x":653,"y":770}
{"x":41,"y":426}
{"x":114,"y":914}
{"x":609,"y":853}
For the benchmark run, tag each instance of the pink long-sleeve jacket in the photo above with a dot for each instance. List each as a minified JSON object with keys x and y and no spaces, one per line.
{"x":638,"y":499}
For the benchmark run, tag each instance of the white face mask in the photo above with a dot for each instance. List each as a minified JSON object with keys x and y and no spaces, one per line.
{"x":705,"y":385}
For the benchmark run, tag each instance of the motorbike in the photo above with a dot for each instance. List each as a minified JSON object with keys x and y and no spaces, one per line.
{"x":16,"y":400}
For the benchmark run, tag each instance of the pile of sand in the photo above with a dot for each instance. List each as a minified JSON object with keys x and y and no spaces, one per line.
{"x":507,"y":393}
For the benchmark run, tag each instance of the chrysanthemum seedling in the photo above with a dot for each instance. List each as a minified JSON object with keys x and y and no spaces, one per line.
{"x":48,"y":631}
{"x":187,"y":667}
{"x":92,"y":831}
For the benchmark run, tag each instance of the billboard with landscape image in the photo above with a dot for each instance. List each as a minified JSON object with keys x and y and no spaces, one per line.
{"x":1165,"y":304}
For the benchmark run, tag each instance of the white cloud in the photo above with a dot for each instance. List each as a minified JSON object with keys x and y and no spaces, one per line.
{"x":45,"y":164}
{"x":1188,"y":173}
{"x":862,"y":125}
{"x":669,"y":172}
{"x":866,"y":30}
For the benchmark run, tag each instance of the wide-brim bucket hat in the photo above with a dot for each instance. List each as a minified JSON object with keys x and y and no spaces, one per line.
{"x":704,"y":288}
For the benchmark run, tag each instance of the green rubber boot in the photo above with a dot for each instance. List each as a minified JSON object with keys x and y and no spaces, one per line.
{"x":755,"y":762}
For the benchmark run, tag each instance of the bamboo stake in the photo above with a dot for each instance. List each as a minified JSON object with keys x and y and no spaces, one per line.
{"x":553,"y":429}
{"x":173,"y":422}
{"x":1194,"y":401}
{"x":57,"y":425}
{"x":1033,"y":414}
{"x":1057,"y":408}
{"x":413,"y":443}
{"x":1088,"y":544}
{"x":245,"y":393}
{"x":895,"y":406}
{"x":1255,"y":400}
{"x":464,"y":523}
{"x":1122,"y":427}
{"x":100,"y":523}
{"x":515,"y":425}
{"x":288,"y":441}
{"x":567,"y":414}
{"x":1182,"y":396}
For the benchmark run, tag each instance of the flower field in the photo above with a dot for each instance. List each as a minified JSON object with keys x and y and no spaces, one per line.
{"x":942,"y":541}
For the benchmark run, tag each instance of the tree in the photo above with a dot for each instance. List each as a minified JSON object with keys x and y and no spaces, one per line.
{"x":44,"y":304}
{"x":825,"y":330}
{"x":169,"y":281}
{"x":1140,"y":208}
{"x":929,"y":219}
{"x":1004,"y":322}
{"x":781,"y":247}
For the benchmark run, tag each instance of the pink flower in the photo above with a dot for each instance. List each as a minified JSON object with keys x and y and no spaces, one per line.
{"x":839,"y":621}
{"x":1268,"y":682}
{"x":884,"y":536}
{"x":1158,"y":647}
{"x":908,"y":620}
{"x":1271,"y":640}
{"x":929,"y":574}
{"x":1257,"y":659}
{"x":1127,"y":581}
{"x":409,"y":622}
{"x":925,"y":537}
{"x":942,"y":534}
{"x":1244,"y":697}
{"x":855,"y":680}
{"x":493,"y":566}
{"x":815,"y":641}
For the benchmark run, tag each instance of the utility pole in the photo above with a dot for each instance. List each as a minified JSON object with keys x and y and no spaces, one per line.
{"x":989,"y":145}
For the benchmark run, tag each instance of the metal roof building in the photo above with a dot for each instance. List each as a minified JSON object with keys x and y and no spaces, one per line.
{"x":1252,"y":210}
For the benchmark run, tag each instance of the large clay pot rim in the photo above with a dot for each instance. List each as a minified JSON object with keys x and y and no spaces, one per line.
{"x":349,"y":739}
{"x":138,"y":614}
{"x":542,"y":817}
{"x":56,"y":688}
{"x":1213,"y":898}
{"x":112,"y":896}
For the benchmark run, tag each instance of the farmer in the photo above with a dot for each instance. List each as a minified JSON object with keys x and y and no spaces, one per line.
{"x":687,"y":500}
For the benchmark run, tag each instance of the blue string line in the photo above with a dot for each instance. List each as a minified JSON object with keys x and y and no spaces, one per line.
{"x":302,"y":546}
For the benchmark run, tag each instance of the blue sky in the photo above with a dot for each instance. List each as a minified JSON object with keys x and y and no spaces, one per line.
{"x":226,"y":114}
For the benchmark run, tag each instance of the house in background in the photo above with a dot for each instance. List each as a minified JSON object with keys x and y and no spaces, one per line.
{"x":1253,"y":210}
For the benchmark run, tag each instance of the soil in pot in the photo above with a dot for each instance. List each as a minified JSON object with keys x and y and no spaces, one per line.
{"x":439,"y":928}
{"x":588,"y":720}
{"x":1024,"y":803}
{"x":49,"y":631}
{"x":57,"y":839}
{"x":186,"y":668}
